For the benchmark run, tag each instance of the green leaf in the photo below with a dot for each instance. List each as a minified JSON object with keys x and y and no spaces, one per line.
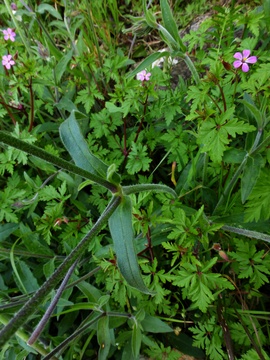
{"x":155,"y":325}
{"x":104,"y":338}
{"x":6,"y":230}
{"x":254,"y":111}
{"x":170,"y":24}
{"x":62,"y":65}
{"x":76,"y":145}
{"x":258,"y":204}
{"x":136,"y":340}
{"x":183,"y":343}
{"x":250,"y":175}
{"x":50,"y":9}
{"x":26,"y":277}
{"x":120,"y":224}
{"x":147,"y":62}
{"x":138,"y":159}
{"x":149,"y":17}
{"x":215,"y":134}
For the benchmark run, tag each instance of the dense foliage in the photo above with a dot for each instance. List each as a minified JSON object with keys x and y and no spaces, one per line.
{"x":170,"y":257}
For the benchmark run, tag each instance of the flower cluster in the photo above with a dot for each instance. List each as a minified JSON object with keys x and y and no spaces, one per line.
{"x":243,"y":59}
{"x":7,"y":60}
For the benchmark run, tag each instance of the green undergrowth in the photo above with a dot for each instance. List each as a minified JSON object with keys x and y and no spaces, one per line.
{"x":135,"y":206}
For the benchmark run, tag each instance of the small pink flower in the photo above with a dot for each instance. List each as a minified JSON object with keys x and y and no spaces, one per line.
{"x":13,"y":6}
{"x":243,"y":60}
{"x":7,"y":61}
{"x":9,"y":34}
{"x":143,"y":76}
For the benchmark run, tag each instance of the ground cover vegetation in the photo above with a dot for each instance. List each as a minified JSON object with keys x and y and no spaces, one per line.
{"x":135,"y":202}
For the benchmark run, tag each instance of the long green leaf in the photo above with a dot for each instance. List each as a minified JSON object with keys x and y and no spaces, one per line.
{"x":62,"y":65}
{"x":55,"y":160}
{"x":120,"y":224}
{"x":170,"y":23}
{"x":254,"y":111}
{"x":147,"y":62}
{"x":153,"y":324}
{"x":76,"y":145}
{"x":250,"y":175}
{"x":103,"y":336}
{"x":136,"y":340}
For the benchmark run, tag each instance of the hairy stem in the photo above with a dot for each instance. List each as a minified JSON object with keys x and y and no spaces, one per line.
{"x":27,"y":310}
{"x":33,"y":338}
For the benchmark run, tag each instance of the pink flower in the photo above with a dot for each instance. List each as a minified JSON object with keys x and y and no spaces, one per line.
{"x":243,"y":60}
{"x":143,"y":76}
{"x":9,"y":34}
{"x":13,"y":6}
{"x":7,"y":61}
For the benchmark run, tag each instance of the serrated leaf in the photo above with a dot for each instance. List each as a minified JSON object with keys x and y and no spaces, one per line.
{"x":76,"y":145}
{"x":138,"y":159}
{"x":120,"y":224}
{"x":215,"y":134}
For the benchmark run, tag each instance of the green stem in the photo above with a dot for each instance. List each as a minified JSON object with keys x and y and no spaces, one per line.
{"x":63,"y":164}
{"x":127,"y":190}
{"x":83,"y":328}
{"x":247,"y":233}
{"x":45,"y":318}
{"x":32,"y":106}
{"x":22,"y":335}
{"x":73,"y":336}
{"x":27,"y":310}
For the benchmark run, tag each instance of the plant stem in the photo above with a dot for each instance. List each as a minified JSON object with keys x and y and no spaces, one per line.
{"x":22,"y":335}
{"x":33,"y":338}
{"x":27,"y":310}
{"x":32,"y":106}
{"x":131,"y":189}
{"x":73,"y":336}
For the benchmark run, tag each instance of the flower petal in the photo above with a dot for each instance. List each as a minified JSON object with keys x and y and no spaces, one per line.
{"x":252,"y":60}
{"x":245,"y":67}
{"x":237,"y":64}
{"x":246,"y":53}
{"x":238,"y":56}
